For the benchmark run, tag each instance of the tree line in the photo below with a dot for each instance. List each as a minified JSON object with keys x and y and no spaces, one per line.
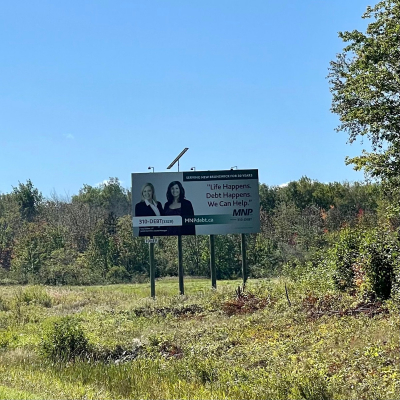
{"x":88,"y":238}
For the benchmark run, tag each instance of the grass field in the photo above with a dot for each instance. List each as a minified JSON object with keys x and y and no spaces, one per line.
{"x":208,"y":344}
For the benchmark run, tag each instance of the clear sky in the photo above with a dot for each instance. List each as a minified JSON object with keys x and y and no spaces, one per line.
{"x":102,"y":88}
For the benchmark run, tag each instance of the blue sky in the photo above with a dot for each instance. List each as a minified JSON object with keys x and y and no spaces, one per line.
{"x":98,"y":89}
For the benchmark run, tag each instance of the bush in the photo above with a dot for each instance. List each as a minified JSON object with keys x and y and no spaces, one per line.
{"x":380,"y":255}
{"x":367,"y":260}
{"x":64,"y":340}
{"x":343,"y":255}
{"x":6,"y":338}
{"x":315,"y":274}
{"x":36,"y":295}
{"x":4,"y":306}
{"x":64,"y":267}
{"x":396,"y":283}
{"x":118,"y":275}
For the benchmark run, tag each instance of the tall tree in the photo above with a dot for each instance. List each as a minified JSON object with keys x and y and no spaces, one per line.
{"x":365,"y":83}
{"x":110,"y":196}
{"x":29,"y":199}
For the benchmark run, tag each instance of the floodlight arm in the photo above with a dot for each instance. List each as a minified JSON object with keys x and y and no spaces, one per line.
{"x":176,"y":160}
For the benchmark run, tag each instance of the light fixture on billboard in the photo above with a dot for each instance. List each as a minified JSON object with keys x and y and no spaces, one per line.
{"x":235,"y":167}
{"x":177,"y":158}
{"x":151,"y":168}
{"x":193,"y":169}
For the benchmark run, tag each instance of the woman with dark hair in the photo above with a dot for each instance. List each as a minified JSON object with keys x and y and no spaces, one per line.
{"x":178,"y":205}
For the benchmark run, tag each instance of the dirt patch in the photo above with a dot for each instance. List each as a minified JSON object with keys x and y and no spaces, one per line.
{"x":327,"y":305}
{"x":244,"y":303}
{"x":185,"y":311}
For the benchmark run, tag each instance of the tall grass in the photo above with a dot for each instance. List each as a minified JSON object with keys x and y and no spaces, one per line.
{"x":190,"y":347}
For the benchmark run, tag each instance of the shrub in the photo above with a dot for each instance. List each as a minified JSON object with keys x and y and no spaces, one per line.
{"x":396,"y":283}
{"x":367,"y":260}
{"x":380,"y":252}
{"x":118,"y":275}
{"x":64,"y":340}
{"x":6,"y":338}
{"x":64,"y":267}
{"x":36,"y":295}
{"x":4,"y":306}
{"x":343,"y":255}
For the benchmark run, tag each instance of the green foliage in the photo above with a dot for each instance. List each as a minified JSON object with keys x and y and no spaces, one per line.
{"x":59,"y":268}
{"x":66,"y":267}
{"x":380,"y":256}
{"x":64,"y":340}
{"x":343,"y":256}
{"x":118,"y":275}
{"x":196,"y":257}
{"x":109,"y":195}
{"x":268,"y":197}
{"x":9,"y":393}
{"x":366,"y":260}
{"x":6,"y":338}
{"x":227,"y":256}
{"x":102,"y":251}
{"x":189,"y":350}
{"x":35,"y":244}
{"x":265,"y":258}
{"x":28,"y":198}
{"x":10,"y":222}
{"x":36,"y":295}
{"x":365,"y":85}
{"x":316,"y":274}
{"x":3,"y":305}
{"x":132,"y":251}
{"x":79,"y":242}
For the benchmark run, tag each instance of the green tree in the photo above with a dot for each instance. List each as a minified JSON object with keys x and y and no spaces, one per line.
{"x":10,"y":224}
{"x":196,"y":255}
{"x":268,"y":197}
{"x":115,"y":198}
{"x":365,"y":84}
{"x":133,"y":251}
{"x":110,"y":196}
{"x":30,"y":251}
{"x":29,"y":199}
{"x":102,"y":253}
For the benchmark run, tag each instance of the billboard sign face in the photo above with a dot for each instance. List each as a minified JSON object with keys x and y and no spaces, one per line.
{"x":195,"y":202}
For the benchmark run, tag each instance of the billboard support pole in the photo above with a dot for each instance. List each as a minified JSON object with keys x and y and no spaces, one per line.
{"x":212,"y":262}
{"x":244,"y":261}
{"x":152,"y":269}
{"x":180,"y":266}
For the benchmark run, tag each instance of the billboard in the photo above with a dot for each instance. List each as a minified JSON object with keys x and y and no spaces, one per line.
{"x":195,"y":203}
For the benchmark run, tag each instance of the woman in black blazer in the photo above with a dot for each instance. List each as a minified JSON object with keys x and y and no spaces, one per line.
{"x":178,"y":205}
{"x":148,"y":206}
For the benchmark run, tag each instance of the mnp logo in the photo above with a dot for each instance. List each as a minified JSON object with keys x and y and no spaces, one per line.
{"x":242,"y":211}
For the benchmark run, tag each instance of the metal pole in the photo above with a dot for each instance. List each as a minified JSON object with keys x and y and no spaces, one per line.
{"x":212,"y":262}
{"x":152,"y":269}
{"x":244,"y":261}
{"x":180,"y":265}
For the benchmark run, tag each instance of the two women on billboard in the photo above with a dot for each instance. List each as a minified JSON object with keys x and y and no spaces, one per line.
{"x":176,"y":205}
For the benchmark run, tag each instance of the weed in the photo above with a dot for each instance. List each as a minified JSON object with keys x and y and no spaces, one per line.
{"x":64,"y":340}
{"x":4,"y":306}
{"x":34,"y":295}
